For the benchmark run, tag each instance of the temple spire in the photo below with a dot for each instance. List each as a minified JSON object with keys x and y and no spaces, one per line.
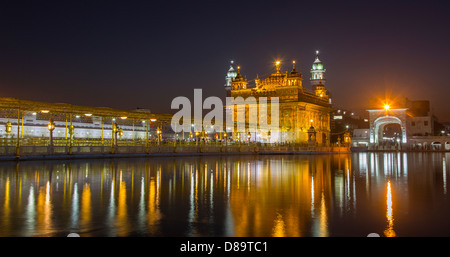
{"x":277,"y":66}
{"x":317,"y":72}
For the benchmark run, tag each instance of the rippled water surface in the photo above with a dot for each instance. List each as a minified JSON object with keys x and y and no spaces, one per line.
{"x":393,"y":194}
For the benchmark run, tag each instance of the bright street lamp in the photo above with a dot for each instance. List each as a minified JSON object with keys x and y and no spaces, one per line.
{"x":51,"y":127}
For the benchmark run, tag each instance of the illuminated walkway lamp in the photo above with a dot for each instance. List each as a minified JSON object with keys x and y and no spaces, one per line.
{"x":115,"y":130}
{"x":51,"y":127}
{"x":8,"y":127}
{"x":347,"y":138}
{"x":71,"y":132}
{"x":158,"y":132}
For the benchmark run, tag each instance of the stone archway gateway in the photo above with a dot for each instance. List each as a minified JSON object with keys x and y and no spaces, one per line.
{"x":379,"y":118}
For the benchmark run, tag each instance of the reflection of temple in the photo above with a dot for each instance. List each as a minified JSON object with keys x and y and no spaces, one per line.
{"x":322,"y":195}
{"x":299,"y":109}
{"x":286,"y":196}
{"x":272,"y":208}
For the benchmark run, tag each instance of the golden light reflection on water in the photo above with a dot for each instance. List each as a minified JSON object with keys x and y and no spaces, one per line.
{"x":279,"y":227}
{"x":6,"y":210}
{"x":389,"y":231}
{"x":122,"y":215}
{"x":227,"y":196}
{"x":44,"y":209}
{"x":249,"y":197}
{"x":86,"y":211}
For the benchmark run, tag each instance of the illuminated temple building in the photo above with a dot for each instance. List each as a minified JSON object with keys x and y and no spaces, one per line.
{"x":303,"y":112}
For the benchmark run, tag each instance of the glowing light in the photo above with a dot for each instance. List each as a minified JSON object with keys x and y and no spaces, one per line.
{"x":123,"y":117}
{"x":279,"y":229}
{"x":387,"y":107}
{"x":389,"y":232}
{"x":152,"y":120}
{"x":51,"y":125}
{"x":45,"y":111}
{"x":88,"y":114}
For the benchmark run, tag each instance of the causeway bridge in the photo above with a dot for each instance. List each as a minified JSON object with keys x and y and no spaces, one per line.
{"x":130,"y":149}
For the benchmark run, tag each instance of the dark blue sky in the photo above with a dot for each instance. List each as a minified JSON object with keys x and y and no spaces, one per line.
{"x":128,"y":54}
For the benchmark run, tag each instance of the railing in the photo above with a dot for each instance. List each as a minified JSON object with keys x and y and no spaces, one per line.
{"x":86,"y":150}
{"x":43,"y":146}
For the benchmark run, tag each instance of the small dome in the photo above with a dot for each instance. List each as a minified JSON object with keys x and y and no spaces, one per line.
{"x":294,"y":72}
{"x":317,"y":64}
{"x":231,"y":73}
{"x":238,"y":76}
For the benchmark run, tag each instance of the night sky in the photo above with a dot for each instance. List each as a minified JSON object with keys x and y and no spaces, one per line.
{"x":128,"y":54}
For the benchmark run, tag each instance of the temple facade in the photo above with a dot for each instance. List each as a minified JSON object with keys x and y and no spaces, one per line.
{"x":304,"y":114}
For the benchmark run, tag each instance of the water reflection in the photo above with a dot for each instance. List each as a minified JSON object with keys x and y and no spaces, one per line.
{"x":389,"y":232}
{"x":324,"y":195}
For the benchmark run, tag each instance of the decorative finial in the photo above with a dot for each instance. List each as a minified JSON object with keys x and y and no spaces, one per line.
{"x":293,"y":65}
{"x":317,"y":52}
{"x":232,"y":61}
{"x":277,"y":65}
